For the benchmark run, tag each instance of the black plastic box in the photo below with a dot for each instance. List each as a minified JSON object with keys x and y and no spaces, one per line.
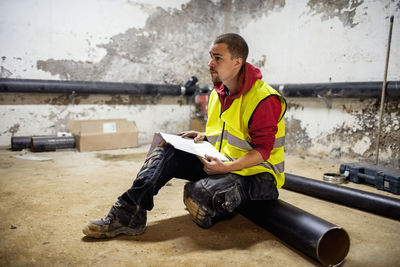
{"x":383,"y":178}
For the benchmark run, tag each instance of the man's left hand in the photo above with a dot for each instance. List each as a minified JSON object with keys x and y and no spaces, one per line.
{"x":213,"y":165}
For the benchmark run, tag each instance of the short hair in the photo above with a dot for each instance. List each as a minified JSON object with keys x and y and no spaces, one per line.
{"x":237,"y":46}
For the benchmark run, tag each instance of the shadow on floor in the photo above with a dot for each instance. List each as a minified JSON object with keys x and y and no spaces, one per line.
{"x":237,"y":232}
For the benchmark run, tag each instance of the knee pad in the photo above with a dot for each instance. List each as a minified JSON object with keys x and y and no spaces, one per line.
{"x":208,"y":202}
{"x":198,"y":203}
{"x":226,"y":201}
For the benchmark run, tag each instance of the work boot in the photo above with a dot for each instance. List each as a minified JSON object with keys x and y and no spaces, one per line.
{"x":122,"y":219}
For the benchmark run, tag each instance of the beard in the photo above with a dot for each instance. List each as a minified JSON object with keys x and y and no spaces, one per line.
{"x":214,"y":76}
{"x":215,"y":79}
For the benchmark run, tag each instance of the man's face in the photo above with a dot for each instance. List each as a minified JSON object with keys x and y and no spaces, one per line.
{"x":222,"y":67}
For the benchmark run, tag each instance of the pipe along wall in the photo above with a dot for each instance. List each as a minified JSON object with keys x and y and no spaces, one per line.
{"x":374,"y":203}
{"x":350,"y":89}
{"x":79,"y":87}
{"x":353,"y":89}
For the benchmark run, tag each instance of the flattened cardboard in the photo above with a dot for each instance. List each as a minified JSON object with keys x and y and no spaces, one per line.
{"x":197,"y":124}
{"x":93,"y":135}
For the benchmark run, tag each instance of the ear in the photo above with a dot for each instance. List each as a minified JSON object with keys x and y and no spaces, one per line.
{"x":238,"y":62}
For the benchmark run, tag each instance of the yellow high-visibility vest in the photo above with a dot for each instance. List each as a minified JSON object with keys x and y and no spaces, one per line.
{"x":228,"y":131}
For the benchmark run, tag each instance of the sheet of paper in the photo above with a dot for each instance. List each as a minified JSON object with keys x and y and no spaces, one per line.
{"x":188,"y":145}
{"x":31,"y":157}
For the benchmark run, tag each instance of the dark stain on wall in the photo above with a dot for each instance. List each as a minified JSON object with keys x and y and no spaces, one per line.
{"x":74,"y":70}
{"x":13,"y":129}
{"x":59,"y":100}
{"x":172,"y":46}
{"x":5,"y":73}
{"x":296,"y":138}
{"x":367,"y":121}
{"x":342,"y":141}
{"x":131,"y":100}
{"x":397,"y":4}
{"x":344,"y":10}
{"x":93,"y":99}
{"x":245,"y":11}
{"x":260,"y":63}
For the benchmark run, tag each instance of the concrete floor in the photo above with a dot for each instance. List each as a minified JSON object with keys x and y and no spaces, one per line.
{"x":44,"y":204}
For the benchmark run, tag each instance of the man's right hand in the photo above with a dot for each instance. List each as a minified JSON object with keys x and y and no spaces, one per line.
{"x":197,"y":136}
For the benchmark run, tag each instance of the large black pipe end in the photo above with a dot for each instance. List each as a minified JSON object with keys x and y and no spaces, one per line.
{"x":323,"y":241}
{"x":333,"y":247}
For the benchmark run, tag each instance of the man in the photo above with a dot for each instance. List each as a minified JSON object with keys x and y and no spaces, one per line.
{"x":245,"y":123}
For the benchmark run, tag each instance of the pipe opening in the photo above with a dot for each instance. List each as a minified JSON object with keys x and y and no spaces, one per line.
{"x":333,"y":247}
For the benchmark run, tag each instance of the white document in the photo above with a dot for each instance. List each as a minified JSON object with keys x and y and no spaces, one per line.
{"x":188,"y":145}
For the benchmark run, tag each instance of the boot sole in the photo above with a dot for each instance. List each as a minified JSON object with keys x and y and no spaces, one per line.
{"x":90,"y":232}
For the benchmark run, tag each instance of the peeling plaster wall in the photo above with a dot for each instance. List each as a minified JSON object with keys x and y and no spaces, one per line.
{"x":326,"y":41}
{"x":292,"y":41}
{"x":343,"y":128}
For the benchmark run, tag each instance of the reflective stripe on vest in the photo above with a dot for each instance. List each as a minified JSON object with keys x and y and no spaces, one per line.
{"x":229,"y":131}
{"x":233,"y":140}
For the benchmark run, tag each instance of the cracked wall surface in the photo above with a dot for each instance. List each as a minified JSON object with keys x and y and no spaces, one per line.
{"x":347,"y":128}
{"x":171,"y":47}
{"x":344,"y":10}
{"x":151,"y":41}
{"x":292,"y":41}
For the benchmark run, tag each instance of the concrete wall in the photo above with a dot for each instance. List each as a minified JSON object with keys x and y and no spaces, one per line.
{"x":292,"y":41}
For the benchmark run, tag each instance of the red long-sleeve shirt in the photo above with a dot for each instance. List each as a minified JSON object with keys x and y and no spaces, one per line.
{"x":263,"y":123}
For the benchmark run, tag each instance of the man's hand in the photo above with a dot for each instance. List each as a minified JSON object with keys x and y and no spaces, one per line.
{"x":197,"y":136}
{"x":213,"y":165}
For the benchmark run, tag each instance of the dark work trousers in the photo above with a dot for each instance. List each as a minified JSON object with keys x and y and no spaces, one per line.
{"x":220,"y":193}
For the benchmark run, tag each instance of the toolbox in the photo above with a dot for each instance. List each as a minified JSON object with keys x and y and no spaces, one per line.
{"x":383,"y":178}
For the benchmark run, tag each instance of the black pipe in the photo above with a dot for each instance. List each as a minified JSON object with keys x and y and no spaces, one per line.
{"x":378,"y":204}
{"x":315,"y":237}
{"x":45,"y":143}
{"x":20,"y":142}
{"x":350,"y":89}
{"x":78,"y":87}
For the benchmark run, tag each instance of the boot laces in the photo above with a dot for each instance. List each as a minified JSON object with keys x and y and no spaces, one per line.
{"x":108,"y":220}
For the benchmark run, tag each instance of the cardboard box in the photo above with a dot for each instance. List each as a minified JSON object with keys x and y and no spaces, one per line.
{"x":197,"y":124}
{"x":94,"y":135}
